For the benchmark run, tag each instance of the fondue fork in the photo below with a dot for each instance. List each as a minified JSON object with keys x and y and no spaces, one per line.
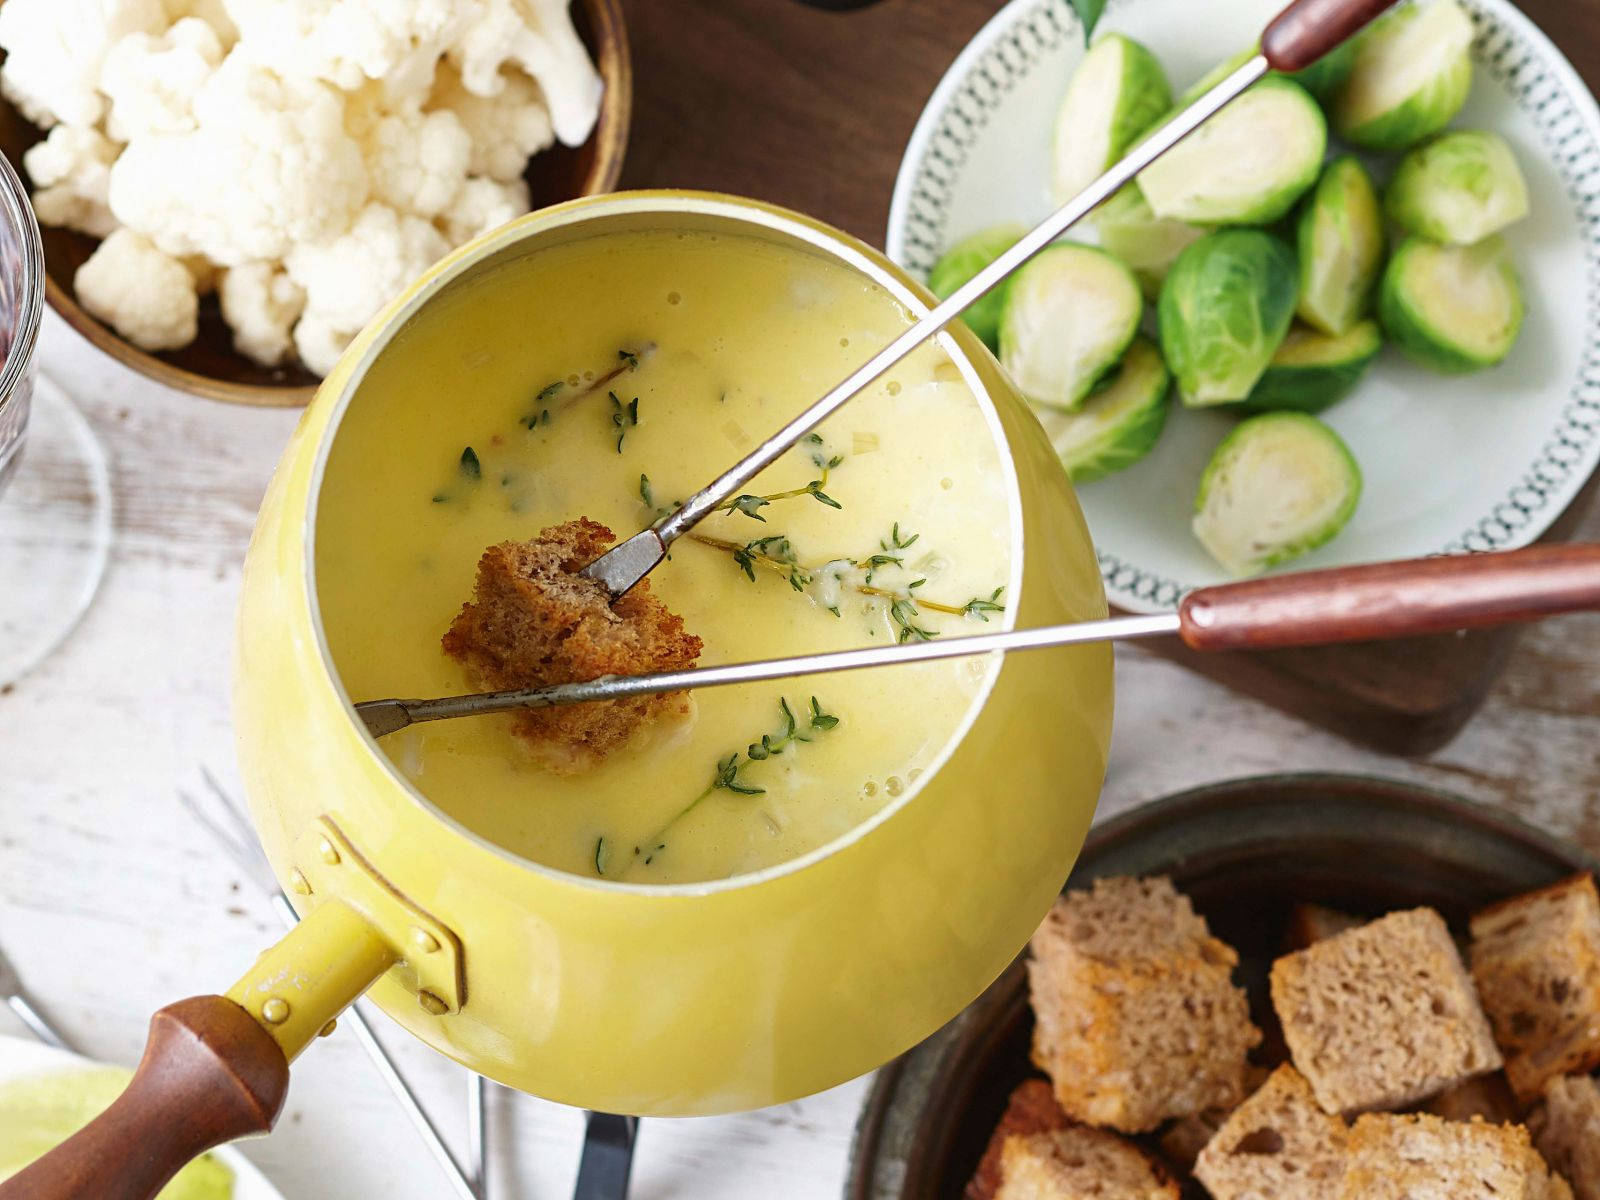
{"x":241,"y":845}
{"x":1299,"y":36}
{"x":1344,"y":604}
{"x":16,"y":998}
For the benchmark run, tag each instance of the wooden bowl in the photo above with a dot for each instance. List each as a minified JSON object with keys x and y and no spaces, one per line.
{"x":209,"y":366}
{"x":1244,"y":852}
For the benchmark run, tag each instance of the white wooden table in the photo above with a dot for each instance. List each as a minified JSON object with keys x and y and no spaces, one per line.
{"x":113,"y":903}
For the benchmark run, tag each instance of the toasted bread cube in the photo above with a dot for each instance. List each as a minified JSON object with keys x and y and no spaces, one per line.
{"x":1382,"y":1016}
{"x":1031,"y":1109}
{"x":1536,"y":961}
{"x":1566,"y":1129}
{"x":1277,"y":1143}
{"x":1079,"y":1164}
{"x":1137,"y":1019}
{"x":1488,"y":1097}
{"x":1312,"y":923}
{"x":1423,"y":1157}
{"x":534,"y":621}
{"x":1183,"y":1139}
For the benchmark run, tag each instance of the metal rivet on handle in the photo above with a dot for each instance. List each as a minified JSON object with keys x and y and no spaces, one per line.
{"x":275,"y":1011}
{"x":329,"y":852}
{"x":298,"y":883}
{"x":327,"y":1029}
{"x":432,"y":1005}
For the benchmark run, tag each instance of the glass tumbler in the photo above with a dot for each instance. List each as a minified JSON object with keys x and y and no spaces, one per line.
{"x":55,"y":494}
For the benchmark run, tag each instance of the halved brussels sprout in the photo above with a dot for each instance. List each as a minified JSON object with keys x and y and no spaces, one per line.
{"x":964,"y":260}
{"x":1120,"y":422}
{"x":1118,"y":90}
{"x":1069,"y":317}
{"x":1460,"y":188}
{"x":1279,"y":485}
{"x":1341,"y":248}
{"x":1412,"y":73}
{"x":1148,"y":244}
{"x":1245,"y":166}
{"x":1327,"y":75}
{"x":1311,"y":371}
{"x":1224,"y":311}
{"x":1452,"y":308}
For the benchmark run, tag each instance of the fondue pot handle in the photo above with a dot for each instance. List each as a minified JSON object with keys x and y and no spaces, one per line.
{"x":1390,"y":600}
{"x":1309,"y":29}
{"x":210,"y":1073}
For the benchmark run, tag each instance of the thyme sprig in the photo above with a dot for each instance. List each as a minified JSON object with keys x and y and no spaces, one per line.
{"x":776,"y":554}
{"x":623,"y":416}
{"x":543,"y":411}
{"x":728,"y":777}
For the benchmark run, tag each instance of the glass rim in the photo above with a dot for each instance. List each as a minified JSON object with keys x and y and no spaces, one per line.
{"x":18,"y":214}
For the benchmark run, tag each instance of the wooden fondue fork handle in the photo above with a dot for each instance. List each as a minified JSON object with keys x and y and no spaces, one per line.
{"x":210,"y":1074}
{"x":1390,"y":600}
{"x":1309,"y":29}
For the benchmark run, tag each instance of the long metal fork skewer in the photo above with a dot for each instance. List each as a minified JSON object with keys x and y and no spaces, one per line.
{"x":619,"y":568}
{"x":241,"y":845}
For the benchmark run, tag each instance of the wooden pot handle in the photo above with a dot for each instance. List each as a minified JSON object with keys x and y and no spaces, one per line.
{"x":210,"y":1074}
{"x":1390,"y":600}
{"x":1308,"y":29}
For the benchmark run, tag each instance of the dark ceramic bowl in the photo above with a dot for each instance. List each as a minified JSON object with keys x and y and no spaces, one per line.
{"x":1245,"y":852}
{"x":210,"y":366}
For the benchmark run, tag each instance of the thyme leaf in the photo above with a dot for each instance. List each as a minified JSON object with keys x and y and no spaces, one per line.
{"x":470,"y":466}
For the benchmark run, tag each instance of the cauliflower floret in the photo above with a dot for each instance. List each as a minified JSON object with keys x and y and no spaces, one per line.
{"x":349,"y":41}
{"x":347,"y":279}
{"x":261,"y":304}
{"x":212,"y":12}
{"x":417,"y":161}
{"x":320,"y":344}
{"x":71,"y":172}
{"x":482,"y":205}
{"x":55,"y":49}
{"x":146,"y":296}
{"x":507,"y":128}
{"x":538,"y":36}
{"x":269,"y":166}
{"x":151,"y":82}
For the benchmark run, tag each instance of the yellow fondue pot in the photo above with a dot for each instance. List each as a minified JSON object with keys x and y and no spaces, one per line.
{"x":655,"y":1000}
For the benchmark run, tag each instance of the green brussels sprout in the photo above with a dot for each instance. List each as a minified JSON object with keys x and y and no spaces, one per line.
{"x":1069,"y":317}
{"x":1118,"y":90}
{"x":1245,"y":166}
{"x":1341,"y":248}
{"x":1411,"y":75}
{"x":1459,"y":188}
{"x":1326,"y":76}
{"x":1312,"y":371}
{"x":964,"y":260}
{"x":1280,"y":485}
{"x":1452,"y":308}
{"x":1119,"y":424}
{"x":1148,"y":244}
{"x":1224,"y":311}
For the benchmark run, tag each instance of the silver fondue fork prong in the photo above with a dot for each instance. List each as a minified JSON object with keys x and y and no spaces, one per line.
{"x":236,"y":837}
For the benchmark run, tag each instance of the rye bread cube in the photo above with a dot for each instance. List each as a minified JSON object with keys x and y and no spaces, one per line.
{"x":1078,"y":1163}
{"x":1487,"y":1096}
{"x":1566,"y":1129}
{"x":1424,"y":1157}
{"x":1536,"y":961}
{"x":1031,"y":1108}
{"x":1278,"y":1143}
{"x":1382,"y":1016}
{"x":1136,"y":1017}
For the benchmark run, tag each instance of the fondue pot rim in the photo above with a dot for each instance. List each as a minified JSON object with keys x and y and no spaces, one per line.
{"x":777,"y":224}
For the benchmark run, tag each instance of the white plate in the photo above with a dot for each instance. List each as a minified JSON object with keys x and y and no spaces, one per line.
{"x":1475,"y":462}
{"x":22,"y":1058}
